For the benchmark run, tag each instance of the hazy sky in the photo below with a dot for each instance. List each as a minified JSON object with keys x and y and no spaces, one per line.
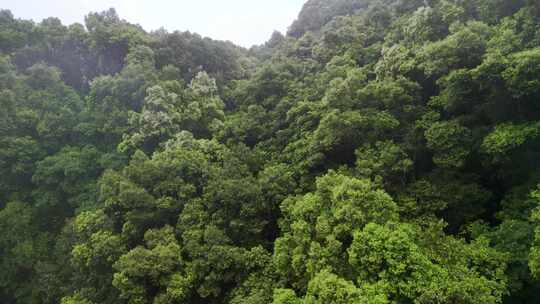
{"x":245,"y":22}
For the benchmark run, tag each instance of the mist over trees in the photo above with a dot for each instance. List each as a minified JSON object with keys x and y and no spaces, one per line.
{"x":380,"y":151}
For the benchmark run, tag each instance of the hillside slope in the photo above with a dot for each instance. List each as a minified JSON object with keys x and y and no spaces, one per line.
{"x":382,"y":151}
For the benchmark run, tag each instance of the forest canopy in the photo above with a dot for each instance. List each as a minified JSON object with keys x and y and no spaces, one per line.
{"x":379,"y":152}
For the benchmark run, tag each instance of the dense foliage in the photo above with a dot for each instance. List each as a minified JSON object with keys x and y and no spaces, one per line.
{"x":383,"y":151}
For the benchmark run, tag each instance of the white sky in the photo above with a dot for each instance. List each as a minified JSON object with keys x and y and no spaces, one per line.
{"x":244,"y":22}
